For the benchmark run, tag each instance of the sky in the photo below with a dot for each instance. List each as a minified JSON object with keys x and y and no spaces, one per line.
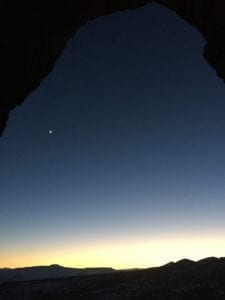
{"x":117,"y":159}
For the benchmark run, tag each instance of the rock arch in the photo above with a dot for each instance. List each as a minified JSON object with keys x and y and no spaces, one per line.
{"x":33,"y":35}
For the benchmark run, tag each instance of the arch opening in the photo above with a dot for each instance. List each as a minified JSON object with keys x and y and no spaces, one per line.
{"x":131,"y":156}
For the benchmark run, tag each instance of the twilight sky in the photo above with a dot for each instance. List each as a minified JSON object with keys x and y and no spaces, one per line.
{"x":133,"y":174}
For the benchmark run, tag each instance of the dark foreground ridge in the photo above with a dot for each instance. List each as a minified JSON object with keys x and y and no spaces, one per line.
{"x":33,"y":35}
{"x":185,"y":279}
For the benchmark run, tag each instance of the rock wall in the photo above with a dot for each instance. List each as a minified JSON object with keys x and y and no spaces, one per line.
{"x":34,"y":33}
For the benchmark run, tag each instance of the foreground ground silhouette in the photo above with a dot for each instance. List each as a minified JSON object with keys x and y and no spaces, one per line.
{"x":185,"y":279}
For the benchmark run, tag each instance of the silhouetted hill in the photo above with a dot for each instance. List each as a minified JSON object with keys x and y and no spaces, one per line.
{"x":43,"y":272}
{"x":184,"y":280}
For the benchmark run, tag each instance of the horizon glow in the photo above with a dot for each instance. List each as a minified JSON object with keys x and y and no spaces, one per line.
{"x":123,"y":255}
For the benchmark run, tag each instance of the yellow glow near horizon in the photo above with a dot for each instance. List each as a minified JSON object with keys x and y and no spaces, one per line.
{"x":122,"y":255}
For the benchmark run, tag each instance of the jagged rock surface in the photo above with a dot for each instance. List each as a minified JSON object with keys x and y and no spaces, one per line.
{"x":34,"y":33}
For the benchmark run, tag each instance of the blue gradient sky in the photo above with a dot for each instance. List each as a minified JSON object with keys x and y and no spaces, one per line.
{"x":134,"y":172}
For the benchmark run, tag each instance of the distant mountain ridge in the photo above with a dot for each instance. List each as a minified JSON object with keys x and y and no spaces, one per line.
{"x":209,"y":261}
{"x":44,"y":272}
{"x":185,"y":279}
{"x":57,"y":271}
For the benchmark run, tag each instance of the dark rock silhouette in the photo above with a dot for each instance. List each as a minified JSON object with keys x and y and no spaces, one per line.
{"x":34,"y":35}
{"x":185,"y":279}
